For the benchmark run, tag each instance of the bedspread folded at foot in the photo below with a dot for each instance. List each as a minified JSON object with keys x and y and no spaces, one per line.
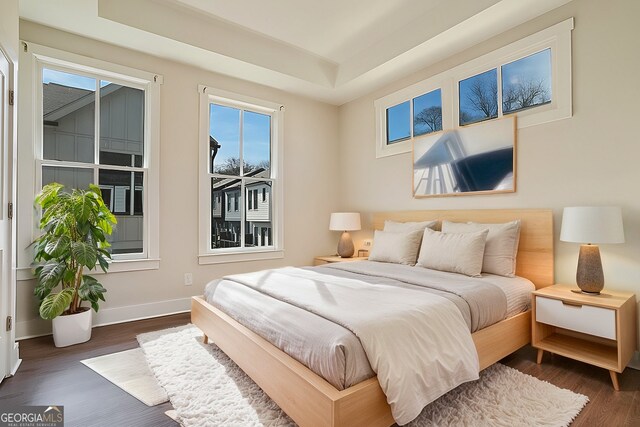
{"x":417,"y":342}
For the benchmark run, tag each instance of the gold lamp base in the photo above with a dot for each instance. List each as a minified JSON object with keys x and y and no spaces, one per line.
{"x":589,"y":277}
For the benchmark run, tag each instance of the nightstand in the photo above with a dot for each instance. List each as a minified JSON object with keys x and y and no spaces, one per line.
{"x":595,"y":329}
{"x":319,"y":260}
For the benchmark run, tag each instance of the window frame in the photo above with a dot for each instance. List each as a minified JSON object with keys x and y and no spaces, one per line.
{"x":207,"y":255}
{"x":557,"y":38}
{"x":31,"y":160}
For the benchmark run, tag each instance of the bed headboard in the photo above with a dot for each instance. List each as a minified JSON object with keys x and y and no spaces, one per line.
{"x":535,"y":250}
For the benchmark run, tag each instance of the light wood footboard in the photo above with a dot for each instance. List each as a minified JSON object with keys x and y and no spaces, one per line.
{"x":305,"y":396}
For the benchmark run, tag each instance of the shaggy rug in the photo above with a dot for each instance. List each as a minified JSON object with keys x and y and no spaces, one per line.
{"x":207,"y":389}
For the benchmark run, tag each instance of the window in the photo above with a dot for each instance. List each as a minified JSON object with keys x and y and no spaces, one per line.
{"x":526,"y":82}
{"x":530,"y":78}
{"x":398,"y":123}
{"x":241,"y":139}
{"x":95,"y":122}
{"x":76,"y":151}
{"x":427,"y":113}
{"x":252,"y":199}
{"x":478,"y":98}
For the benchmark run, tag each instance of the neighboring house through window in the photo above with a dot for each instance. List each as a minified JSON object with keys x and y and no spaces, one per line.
{"x":96,"y":123}
{"x":244,"y":140}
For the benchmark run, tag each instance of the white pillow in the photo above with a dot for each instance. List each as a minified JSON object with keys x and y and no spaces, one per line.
{"x":454,"y":252}
{"x":502,"y":244}
{"x":399,"y":248}
{"x":408,"y":226}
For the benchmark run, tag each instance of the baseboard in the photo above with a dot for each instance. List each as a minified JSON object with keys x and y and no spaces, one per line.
{"x":635,"y":361}
{"x":14,"y":359}
{"x":38,"y":327}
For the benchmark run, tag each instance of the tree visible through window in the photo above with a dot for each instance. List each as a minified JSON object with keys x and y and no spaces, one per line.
{"x":427,"y":113}
{"x":526,"y":82}
{"x":518,"y":78}
{"x":479,"y":97}
{"x":240,"y":166}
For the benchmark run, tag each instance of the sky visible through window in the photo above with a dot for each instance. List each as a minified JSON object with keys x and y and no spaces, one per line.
{"x":479,"y":97}
{"x":427,"y":113}
{"x":527,"y":82}
{"x":224,"y":126}
{"x":257,"y":138}
{"x":398,"y":122}
{"x":70,"y":80}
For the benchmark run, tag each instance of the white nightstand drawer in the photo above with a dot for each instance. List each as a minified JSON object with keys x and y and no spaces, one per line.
{"x":587,"y":319}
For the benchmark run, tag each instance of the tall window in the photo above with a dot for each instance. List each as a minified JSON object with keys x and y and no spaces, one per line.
{"x":93,"y":132}
{"x":241,"y":143}
{"x":91,"y":122}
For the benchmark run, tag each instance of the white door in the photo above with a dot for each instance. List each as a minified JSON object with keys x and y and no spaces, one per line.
{"x":8,"y":348}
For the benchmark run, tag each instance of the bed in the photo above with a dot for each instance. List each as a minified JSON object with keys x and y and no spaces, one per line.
{"x":311,"y":400}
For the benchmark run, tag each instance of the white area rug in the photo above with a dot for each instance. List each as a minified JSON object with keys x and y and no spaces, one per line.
{"x":207,"y":389}
{"x":129,"y":371}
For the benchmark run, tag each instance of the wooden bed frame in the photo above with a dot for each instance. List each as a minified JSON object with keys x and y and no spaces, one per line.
{"x":310,"y":400}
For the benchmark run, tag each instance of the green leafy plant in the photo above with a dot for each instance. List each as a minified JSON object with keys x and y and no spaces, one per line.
{"x":74,"y":229}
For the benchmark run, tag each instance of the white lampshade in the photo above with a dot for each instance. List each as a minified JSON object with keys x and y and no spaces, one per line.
{"x":588,"y":224}
{"x":344,"y":221}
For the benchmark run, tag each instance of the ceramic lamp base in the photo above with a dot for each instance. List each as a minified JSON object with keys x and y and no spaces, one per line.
{"x":589,"y":277}
{"x":345,"y":246}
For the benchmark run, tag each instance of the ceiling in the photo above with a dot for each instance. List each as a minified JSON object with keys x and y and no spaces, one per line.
{"x":330,"y":50}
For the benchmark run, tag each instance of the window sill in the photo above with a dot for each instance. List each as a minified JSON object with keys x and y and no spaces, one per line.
{"x":222,"y":258}
{"x":120,"y":266}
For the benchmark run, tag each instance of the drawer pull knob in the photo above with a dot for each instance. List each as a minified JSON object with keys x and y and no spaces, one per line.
{"x":572,"y":304}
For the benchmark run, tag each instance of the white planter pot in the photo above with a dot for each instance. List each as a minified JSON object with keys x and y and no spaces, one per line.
{"x":72,"y":329}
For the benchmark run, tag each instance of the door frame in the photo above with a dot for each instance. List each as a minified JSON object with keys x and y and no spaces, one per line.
{"x":8,"y":154}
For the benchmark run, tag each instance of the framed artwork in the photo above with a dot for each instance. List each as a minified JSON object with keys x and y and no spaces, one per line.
{"x":474,"y":159}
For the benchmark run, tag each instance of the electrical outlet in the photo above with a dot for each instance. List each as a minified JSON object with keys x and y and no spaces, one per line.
{"x":188,"y":279}
{"x":367,"y":243}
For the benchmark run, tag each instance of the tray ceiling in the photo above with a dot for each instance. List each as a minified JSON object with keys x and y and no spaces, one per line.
{"x":332,"y":50}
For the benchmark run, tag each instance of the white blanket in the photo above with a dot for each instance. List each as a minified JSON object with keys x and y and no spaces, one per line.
{"x":417,"y":343}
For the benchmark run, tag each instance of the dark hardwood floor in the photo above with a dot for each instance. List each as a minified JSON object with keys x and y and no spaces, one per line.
{"x":50,"y":375}
{"x":606,"y":406}
{"x":55,"y":376}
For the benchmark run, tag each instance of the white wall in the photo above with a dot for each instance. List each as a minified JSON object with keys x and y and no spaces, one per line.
{"x":311,"y":138}
{"x":590,"y":159}
{"x":9,"y":28}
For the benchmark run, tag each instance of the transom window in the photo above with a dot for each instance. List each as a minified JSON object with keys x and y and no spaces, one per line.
{"x":530,"y":78}
{"x":427,"y":113}
{"x":526,"y":82}
{"x":241,"y":167}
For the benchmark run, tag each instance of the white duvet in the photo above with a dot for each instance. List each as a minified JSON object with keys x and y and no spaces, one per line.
{"x":417,"y":342}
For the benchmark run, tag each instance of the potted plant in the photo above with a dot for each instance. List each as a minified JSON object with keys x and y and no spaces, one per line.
{"x":74,"y":229}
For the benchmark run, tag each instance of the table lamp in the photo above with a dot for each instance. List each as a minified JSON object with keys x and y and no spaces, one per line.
{"x":588,"y":225}
{"x":345,"y":222}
